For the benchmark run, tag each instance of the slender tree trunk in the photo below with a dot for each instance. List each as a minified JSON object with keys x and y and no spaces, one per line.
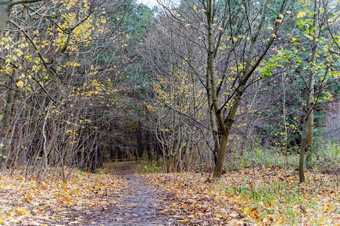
{"x":285,"y":146}
{"x":310,"y":89}
{"x":302,"y":151}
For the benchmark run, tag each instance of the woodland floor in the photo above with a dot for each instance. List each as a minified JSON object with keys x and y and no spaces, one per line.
{"x":247,"y":197}
{"x":142,"y":204}
{"x":86,"y":199}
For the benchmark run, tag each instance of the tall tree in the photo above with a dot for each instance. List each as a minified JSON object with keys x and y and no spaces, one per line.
{"x":246,"y":62}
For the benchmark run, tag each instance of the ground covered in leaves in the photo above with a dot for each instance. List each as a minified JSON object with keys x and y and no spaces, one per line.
{"x":251,"y":196}
{"x":84,"y":199}
{"x":55,"y":202}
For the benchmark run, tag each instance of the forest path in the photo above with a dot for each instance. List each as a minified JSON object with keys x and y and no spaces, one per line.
{"x":141,"y":205}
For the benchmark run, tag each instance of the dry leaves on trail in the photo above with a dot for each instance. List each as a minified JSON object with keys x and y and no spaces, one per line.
{"x":27,"y":202}
{"x":266,"y":196}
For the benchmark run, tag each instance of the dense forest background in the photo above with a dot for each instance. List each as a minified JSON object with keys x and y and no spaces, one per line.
{"x":202,"y":85}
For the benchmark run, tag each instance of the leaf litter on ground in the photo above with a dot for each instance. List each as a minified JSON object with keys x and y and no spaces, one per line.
{"x":56,"y":202}
{"x":251,"y":196}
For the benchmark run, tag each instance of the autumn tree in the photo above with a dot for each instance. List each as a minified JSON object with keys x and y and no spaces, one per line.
{"x":177,"y":103}
{"x":61,"y":88}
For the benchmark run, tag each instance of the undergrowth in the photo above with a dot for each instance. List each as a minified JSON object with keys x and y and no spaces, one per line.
{"x":325,"y":158}
{"x":145,"y":167}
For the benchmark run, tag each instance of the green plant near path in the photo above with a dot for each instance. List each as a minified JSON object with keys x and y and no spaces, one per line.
{"x":146,"y":167}
{"x":280,"y":195}
{"x":326,"y":158}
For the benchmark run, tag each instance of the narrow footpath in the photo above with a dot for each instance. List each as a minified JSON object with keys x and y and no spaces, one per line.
{"x":142,"y":204}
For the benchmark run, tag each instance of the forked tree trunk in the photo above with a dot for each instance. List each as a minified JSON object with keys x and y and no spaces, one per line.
{"x":225,"y":124}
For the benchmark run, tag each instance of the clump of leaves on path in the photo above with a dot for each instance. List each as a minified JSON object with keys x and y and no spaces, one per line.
{"x":49,"y":202}
{"x":257,"y":196}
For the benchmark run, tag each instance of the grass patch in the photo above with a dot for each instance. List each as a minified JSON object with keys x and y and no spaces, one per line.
{"x":146,"y":167}
{"x":325,"y":159}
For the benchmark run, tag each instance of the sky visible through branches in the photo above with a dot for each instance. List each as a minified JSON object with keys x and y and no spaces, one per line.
{"x":153,"y":3}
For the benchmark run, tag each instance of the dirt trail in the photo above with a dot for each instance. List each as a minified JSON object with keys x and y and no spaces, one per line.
{"x":142,"y":203}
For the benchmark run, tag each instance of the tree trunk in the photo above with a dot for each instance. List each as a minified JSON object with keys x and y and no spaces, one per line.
{"x":302,"y":152}
{"x":5,"y":9}
{"x":170,"y":164}
{"x":220,"y":157}
{"x":310,"y":93}
{"x":309,"y":145}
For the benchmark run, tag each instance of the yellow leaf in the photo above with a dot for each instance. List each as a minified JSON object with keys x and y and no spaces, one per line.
{"x":183,"y":221}
{"x":301,"y":14}
{"x":195,"y":7}
{"x":9,"y":70}
{"x":20,"y":84}
{"x":103,"y":20}
{"x":247,"y":210}
{"x":21,"y":211}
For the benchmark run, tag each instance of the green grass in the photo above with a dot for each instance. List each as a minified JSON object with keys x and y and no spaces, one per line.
{"x":145,"y":167}
{"x":325,"y":157}
{"x":284,"y":195}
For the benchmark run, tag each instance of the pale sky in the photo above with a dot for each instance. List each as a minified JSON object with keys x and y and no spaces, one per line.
{"x":152,"y":3}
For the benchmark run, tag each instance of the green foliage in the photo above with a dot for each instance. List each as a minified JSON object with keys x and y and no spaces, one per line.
{"x":146,"y":167}
{"x":278,"y":60}
{"x":258,"y":158}
{"x":277,"y":194}
{"x":326,"y":157}
{"x":99,"y":171}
